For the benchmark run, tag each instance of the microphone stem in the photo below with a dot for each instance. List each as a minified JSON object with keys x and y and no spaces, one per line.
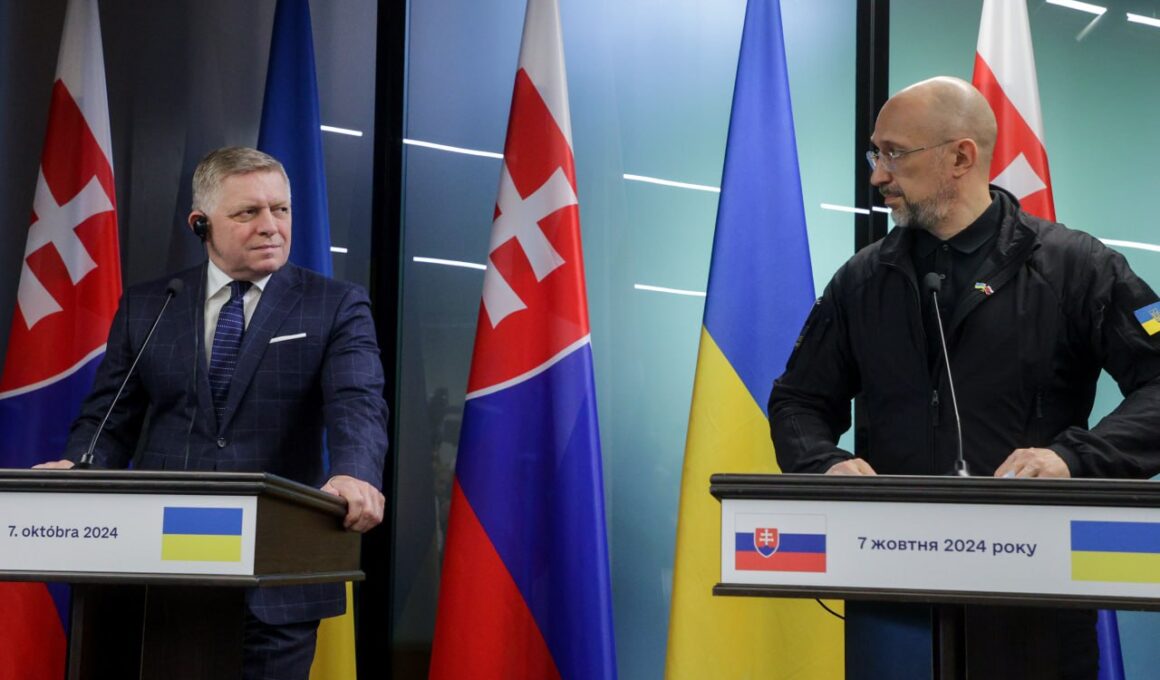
{"x":86,"y":460}
{"x":960,"y":461}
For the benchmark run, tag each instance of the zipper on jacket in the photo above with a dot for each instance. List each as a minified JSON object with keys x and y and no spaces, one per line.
{"x":910,"y":280}
{"x":1037,"y":422}
{"x":934,"y":431}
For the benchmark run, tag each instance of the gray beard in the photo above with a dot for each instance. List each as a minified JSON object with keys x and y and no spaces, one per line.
{"x":924,"y":214}
{"x":919,"y":215}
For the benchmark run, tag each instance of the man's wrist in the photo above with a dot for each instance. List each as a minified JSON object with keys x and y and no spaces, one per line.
{"x":1070,"y":458}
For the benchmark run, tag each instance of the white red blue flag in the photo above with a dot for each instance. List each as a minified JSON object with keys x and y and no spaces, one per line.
{"x":525,"y":590}
{"x":1005,"y":74}
{"x":70,"y":281}
{"x":780,"y":543}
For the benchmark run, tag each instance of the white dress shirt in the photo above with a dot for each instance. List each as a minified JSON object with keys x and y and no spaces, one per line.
{"x":217,"y":294}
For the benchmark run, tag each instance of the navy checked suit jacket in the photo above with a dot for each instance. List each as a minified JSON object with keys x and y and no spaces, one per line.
{"x":309,"y":362}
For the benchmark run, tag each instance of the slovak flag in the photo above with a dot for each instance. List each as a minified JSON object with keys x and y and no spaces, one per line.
{"x":780,"y":543}
{"x":525,"y":590}
{"x":70,"y":281}
{"x":1005,"y":74}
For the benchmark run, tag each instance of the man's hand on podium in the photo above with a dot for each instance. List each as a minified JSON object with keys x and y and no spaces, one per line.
{"x":854,"y":466}
{"x":1033,"y":463}
{"x":55,"y":465}
{"x":364,"y":502}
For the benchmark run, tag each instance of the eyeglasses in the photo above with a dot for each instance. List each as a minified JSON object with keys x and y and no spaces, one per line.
{"x":889,"y":159}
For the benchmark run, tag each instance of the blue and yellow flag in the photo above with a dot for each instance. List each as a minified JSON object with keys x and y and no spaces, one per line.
{"x":291,"y":132}
{"x":202,"y":534}
{"x":760,"y":292}
{"x":1149,"y":318}
{"x":1126,"y":552}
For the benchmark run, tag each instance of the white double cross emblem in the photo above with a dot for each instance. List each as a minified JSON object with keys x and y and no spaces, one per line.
{"x":519,"y":219}
{"x":55,"y":224}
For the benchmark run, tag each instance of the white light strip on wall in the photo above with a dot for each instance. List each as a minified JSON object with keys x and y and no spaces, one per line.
{"x":671,"y":183}
{"x":670,"y":291}
{"x":338,"y":249}
{"x":844,"y":208}
{"x":851,"y":209}
{"x":1081,"y":6}
{"x":638,"y":286}
{"x":452,"y":149}
{"x":1141,"y":19}
{"x":449,"y":263}
{"x":341,"y":131}
{"x":1131,"y":244}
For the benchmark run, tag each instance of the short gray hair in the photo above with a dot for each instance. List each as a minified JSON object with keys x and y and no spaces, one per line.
{"x":228,"y":162}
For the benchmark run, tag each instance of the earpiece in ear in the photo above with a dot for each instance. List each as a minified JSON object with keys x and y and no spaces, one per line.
{"x":201,"y":227}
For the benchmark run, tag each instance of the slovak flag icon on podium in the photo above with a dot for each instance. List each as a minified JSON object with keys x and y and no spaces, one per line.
{"x":765,"y":541}
{"x":780,"y":542}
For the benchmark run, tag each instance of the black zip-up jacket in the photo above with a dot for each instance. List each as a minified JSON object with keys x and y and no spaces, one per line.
{"x":1051,"y":308}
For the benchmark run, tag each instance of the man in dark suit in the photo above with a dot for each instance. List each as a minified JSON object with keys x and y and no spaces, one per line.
{"x":250,"y":364}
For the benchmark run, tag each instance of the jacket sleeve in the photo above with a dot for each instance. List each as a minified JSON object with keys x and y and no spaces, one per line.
{"x":354,"y":410}
{"x":1126,"y":443}
{"x":809,"y":406}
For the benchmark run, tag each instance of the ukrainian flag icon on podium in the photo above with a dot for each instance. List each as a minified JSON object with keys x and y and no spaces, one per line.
{"x":1123,"y":552}
{"x":202,"y":535}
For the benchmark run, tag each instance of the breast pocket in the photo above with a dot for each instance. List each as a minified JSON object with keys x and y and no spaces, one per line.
{"x":290,"y":365}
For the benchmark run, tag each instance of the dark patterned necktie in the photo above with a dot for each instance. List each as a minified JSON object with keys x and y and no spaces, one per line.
{"x":227,"y":340}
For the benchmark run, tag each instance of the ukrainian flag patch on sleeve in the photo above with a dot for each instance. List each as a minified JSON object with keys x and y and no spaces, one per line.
{"x":1149,"y":318}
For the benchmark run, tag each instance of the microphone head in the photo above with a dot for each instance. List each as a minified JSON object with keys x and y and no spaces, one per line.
{"x":174,"y":287}
{"x":932,"y":283}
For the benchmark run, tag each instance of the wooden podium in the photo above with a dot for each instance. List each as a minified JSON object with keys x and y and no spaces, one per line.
{"x":1045,"y":543}
{"x":161,"y":560}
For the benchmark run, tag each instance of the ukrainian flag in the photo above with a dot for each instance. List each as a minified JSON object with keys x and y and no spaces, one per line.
{"x":760,"y":292}
{"x":290,"y":132}
{"x":1121,"y":552}
{"x":202,"y":534}
{"x":1149,"y":318}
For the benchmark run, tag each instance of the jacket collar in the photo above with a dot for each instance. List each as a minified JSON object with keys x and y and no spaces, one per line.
{"x":1014,"y":230}
{"x":966,"y":241}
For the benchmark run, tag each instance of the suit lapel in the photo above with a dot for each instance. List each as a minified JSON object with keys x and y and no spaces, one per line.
{"x":282,"y":293}
{"x":190,"y":315}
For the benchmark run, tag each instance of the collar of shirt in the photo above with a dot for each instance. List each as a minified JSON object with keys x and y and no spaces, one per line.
{"x":218,"y":281}
{"x":966,"y":241}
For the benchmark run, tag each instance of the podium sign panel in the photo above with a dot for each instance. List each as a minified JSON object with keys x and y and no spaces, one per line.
{"x":1015,"y":549}
{"x":127,"y":534}
{"x":1003,"y":541}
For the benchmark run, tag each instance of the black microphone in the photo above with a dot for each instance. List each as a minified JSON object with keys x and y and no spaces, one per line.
{"x":172,"y":289}
{"x":932,"y":283}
